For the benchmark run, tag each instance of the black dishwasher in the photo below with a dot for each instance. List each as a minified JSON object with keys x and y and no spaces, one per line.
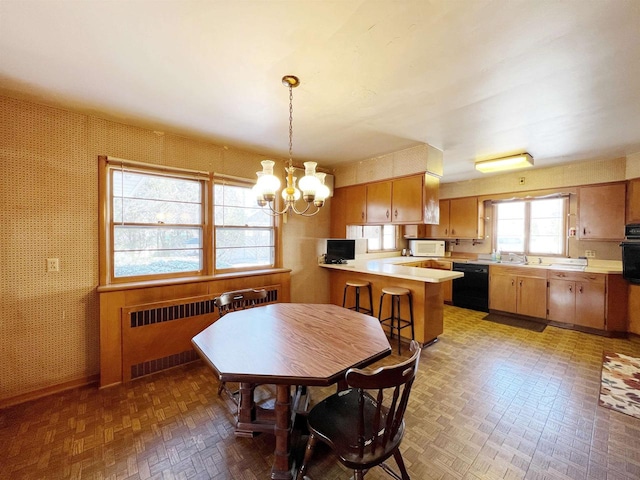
{"x":472,"y":290}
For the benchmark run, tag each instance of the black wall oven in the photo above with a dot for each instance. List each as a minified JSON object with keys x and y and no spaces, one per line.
{"x":631,"y":253}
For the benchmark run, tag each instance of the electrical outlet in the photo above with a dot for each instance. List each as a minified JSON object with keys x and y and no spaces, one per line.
{"x":53,"y":264}
{"x":521,"y":180}
{"x":590,"y":253}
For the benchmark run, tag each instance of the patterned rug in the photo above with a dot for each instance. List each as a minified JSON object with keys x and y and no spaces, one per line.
{"x":620,"y":383}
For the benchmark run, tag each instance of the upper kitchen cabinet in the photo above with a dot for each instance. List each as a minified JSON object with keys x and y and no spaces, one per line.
{"x":379,"y":202}
{"x":601,"y":212}
{"x":633,"y":201}
{"x":459,"y":218}
{"x":348,"y":207}
{"x":402,"y":200}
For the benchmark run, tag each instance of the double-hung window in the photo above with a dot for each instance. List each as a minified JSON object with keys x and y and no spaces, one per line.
{"x":531,"y":226}
{"x":156,"y":224}
{"x":244,"y":234}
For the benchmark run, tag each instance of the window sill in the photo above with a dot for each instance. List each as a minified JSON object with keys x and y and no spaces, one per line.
{"x":114,"y":287}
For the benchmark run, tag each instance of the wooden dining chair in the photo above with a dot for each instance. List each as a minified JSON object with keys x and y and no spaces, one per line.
{"x":230,"y":302}
{"x":364,"y":425}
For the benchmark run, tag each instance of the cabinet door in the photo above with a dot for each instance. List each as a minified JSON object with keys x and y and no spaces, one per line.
{"x":338,"y":223}
{"x":601,"y":212}
{"x":633,"y":201}
{"x":590,"y":298}
{"x":441,"y":230}
{"x":355,"y":204}
{"x":406,"y":199}
{"x":532,"y":297}
{"x":502,"y":292}
{"x":562,"y":300}
{"x":463,"y":217}
{"x":379,"y":202}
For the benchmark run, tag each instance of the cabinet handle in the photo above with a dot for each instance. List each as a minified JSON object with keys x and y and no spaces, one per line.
{"x":453,"y":232}
{"x":580,"y":289}
{"x":521,"y":283}
{"x":584,"y":231}
{"x":446,"y":231}
{"x":395,"y":213}
{"x":571,"y":288}
{"x":513,"y":282}
{"x":387,"y":213}
{"x":362,"y":214}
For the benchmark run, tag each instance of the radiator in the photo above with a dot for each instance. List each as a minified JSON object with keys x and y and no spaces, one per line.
{"x":157,"y":336}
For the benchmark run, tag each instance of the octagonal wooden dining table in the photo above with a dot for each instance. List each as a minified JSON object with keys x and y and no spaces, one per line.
{"x":287,"y":344}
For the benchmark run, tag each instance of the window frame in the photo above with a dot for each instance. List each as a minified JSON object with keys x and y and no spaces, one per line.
{"x":106,"y":225}
{"x":527,"y":224}
{"x":245,"y":183}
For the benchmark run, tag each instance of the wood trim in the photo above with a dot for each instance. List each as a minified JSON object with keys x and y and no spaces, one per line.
{"x":46,"y":391}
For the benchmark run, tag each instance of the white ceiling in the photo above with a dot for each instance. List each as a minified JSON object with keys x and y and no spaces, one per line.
{"x":476,"y":79}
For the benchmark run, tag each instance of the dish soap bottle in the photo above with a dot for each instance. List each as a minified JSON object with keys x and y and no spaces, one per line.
{"x":493,"y":255}
{"x":498,"y":256}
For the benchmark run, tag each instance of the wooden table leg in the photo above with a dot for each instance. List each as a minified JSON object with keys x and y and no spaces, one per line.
{"x":282,"y":465}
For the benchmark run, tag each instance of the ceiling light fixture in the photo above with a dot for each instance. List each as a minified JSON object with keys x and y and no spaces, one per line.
{"x":505,"y":163}
{"x":314,"y":191}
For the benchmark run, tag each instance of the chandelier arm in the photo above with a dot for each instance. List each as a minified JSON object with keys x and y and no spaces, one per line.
{"x":300,"y":212}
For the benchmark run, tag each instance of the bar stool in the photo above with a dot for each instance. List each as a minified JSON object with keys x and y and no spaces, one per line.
{"x":396,"y":294}
{"x":358,"y":284}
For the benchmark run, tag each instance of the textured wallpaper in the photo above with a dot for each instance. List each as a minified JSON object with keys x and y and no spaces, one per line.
{"x":49,"y":322}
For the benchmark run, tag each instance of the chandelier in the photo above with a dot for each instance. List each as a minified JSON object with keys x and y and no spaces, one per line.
{"x":314,"y":191}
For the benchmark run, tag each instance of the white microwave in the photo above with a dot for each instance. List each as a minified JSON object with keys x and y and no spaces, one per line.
{"x":427,"y":248}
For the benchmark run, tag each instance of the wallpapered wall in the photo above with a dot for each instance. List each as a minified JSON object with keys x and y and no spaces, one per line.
{"x":49,"y":189}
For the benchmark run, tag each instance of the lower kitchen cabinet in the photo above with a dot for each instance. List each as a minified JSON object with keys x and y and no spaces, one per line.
{"x":447,"y":287}
{"x":518,"y":290}
{"x":592,"y":300}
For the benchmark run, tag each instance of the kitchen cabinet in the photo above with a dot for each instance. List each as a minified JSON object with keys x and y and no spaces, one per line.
{"x":518,"y":290}
{"x":577,"y":298}
{"x":601,"y":212}
{"x":633,"y":201}
{"x":348,"y":207}
{"x":459,"y":218}
{"x":592,"y":300}
{"x":400,"y":201}
{"x":378,"y":202}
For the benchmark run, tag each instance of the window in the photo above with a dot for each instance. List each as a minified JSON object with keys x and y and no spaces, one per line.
{"x":163,"y":222}
{"x":244,"y":233}
{"x":535,"y":226}
{"x":380,"y":237}
{"x":156,"y":223}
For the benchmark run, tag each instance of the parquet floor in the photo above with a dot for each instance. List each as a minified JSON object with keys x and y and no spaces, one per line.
{"x":490,"y":402}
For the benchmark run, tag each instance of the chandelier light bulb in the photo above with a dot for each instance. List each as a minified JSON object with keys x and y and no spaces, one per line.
{"x":268,"y":183}
{"x":309,"y":183}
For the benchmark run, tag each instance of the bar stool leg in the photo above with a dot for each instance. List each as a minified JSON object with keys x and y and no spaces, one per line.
{"x":344,"y":296}
{"x":357,"y":299}
{"x":413,"y":335}
{"x":370,"y":300}
{"x":399,"y":327}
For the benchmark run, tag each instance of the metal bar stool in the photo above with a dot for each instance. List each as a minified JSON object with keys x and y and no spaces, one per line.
{"x":395,"y":322}
{"x":358,"y":284}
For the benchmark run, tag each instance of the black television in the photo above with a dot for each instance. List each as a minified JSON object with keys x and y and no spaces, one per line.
{"x":340,"y":249}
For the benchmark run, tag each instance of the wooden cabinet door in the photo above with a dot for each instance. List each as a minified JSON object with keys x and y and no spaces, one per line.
{"x":590,"y":300}
{"x":355,"y":204}
{"x":463,"y":217}
{"x":338,"y":222}
{"x":406,"y":199}
{"x":633,"y":201}
{"x":562,"y":300}
{"x":379,"y":202}
{"x":441,"y":230}
{"x":502,"y":292}
{"x":532,"y":297}
{"x":601,"y":212}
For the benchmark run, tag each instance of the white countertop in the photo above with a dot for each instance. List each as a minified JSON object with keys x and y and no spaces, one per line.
{"x":388,"y":267}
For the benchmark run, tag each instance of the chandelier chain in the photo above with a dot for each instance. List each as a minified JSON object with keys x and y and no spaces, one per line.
{"x":290,"y":125}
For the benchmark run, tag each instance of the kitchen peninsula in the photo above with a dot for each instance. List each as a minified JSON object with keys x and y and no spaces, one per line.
{"x":425,"y":285}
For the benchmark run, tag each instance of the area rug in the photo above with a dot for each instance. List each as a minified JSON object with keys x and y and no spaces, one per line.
{"x":515,"y":322}
{"x":620,"y":383}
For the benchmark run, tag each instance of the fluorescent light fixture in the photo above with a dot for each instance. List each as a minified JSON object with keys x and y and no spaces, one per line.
{"x":505,"y":163}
